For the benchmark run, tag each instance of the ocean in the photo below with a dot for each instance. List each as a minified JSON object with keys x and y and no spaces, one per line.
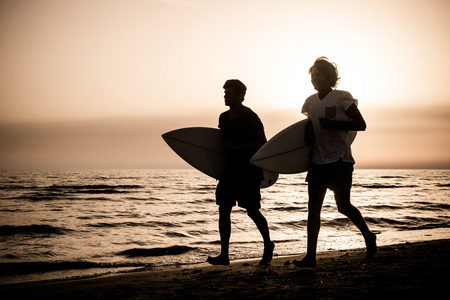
{"x":59,"y":224}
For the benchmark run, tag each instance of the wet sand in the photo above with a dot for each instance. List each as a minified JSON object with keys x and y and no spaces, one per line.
{"x":404,"y":271}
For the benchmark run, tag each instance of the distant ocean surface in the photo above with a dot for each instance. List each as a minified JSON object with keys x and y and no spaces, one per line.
{"x":76,"y":223}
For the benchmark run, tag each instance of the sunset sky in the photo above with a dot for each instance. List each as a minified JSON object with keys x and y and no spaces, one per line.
{"x":94,"y":84}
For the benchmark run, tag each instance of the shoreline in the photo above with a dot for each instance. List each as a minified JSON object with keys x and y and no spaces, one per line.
{"x":398,"y":271}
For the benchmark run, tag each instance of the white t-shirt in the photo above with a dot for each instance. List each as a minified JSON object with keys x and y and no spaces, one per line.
{"x":330,"y":145}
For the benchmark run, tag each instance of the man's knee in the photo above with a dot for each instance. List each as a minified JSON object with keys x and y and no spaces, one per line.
{"x":253,"y":213}
{"x":344,"y":209}
{"x":225,"y":209}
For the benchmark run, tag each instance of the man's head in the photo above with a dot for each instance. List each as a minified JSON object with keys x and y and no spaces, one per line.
{"x":237,"y":85}
{"x":234,"y":92}
{"x":328,"y":69}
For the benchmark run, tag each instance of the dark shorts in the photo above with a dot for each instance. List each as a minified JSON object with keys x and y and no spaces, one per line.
{"x":246,"y":193}
{"x":336,"y":176}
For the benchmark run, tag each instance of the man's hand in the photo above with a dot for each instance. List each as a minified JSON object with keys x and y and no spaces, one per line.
{"x":327,"y":123}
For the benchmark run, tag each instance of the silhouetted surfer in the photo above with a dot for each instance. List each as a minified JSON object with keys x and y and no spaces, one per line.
{"x":332,"y":114}
{"x":243,"y":134}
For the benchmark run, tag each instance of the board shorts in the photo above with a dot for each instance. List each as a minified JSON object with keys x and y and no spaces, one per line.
{"x":245,"y":192}
{"x":337,"y":176}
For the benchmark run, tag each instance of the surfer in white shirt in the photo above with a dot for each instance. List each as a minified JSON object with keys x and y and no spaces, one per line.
{"x":332,"y":114}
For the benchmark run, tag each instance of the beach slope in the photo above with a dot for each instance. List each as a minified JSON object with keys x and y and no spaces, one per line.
{"x":402,"y":271}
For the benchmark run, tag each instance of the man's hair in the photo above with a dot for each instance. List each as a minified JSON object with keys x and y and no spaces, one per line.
{"x":237,"y":85}
{"x":329,"y":69}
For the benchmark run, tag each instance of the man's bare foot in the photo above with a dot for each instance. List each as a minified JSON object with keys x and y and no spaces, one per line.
{"x":268,"y":254}
{"x":305,"y":263}
{"x":219,"y":260}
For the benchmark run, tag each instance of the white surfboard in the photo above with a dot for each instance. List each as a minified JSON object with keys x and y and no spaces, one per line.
{"x":287,"y":152}
{"x":202,"y":148}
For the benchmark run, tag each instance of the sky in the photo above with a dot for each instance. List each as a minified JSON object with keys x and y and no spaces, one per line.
{"x":94,"y":84}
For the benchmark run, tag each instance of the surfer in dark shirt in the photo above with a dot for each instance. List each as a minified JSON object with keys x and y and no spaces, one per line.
{"x":243,"y":134}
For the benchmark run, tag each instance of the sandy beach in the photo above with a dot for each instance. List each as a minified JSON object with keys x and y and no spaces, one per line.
{"x":398,"y":272}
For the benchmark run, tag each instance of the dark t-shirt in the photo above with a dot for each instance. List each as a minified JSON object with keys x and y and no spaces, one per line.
{"x":242,"y":129}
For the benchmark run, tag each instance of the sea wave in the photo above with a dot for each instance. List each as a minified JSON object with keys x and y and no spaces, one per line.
{"x":8,"y":230}
{"x":56,"y":192}
{"x":93,"y":189}
{"x":411,"y":223}
{"x":134,"y":224}
{"x":289,"y":208}
{"x":141,"y":252}
{"x":43,"y":266}
{"x":384,"y":186}
{"x":443,"y":185}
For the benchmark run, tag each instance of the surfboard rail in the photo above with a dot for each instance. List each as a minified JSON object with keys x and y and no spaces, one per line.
{"x":203,"y":149}
{"x":287,"y":152}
